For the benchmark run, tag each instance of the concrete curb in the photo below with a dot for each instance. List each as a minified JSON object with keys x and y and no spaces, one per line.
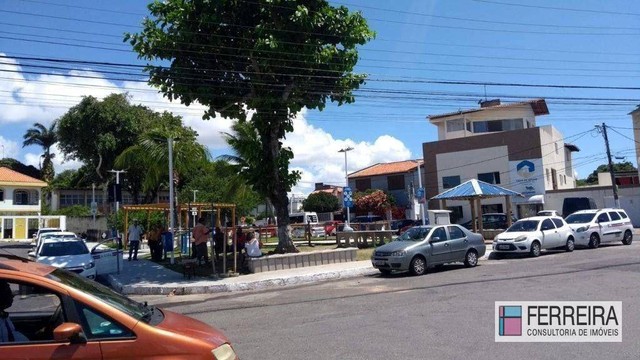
{"x":224,"y":285}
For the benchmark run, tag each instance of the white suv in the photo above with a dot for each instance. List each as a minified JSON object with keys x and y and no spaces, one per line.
{"x":533,"y":234}
{"x":594,"y":227}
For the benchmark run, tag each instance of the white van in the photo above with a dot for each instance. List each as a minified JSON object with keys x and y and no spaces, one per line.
{"x":303,"y":218}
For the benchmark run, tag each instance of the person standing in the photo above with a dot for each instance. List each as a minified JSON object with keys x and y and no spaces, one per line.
{"x":134,"y":235}
{"x":200,"y":236}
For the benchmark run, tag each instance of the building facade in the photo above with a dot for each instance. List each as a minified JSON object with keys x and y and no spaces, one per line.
{"x":635,"y":120}
{"x":498,"y":144}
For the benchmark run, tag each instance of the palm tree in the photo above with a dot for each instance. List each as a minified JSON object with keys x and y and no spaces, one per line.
{"x":45,"y":138}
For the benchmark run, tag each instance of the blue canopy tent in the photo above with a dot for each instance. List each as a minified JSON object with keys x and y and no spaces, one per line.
{"x":475,"y":190}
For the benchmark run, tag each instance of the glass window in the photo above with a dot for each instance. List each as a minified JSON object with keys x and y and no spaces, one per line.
{"x":449,"y":182}
{"x":1,"y":194}
{"x":21,"y":197}
{"x":603,"y":218}
{"x":395,"y":182}
{"x":455,"y":125}
{"x":455,"y":232}
{"x":456,"y":213}
{"x":614,"y":216}
{"x":99,"y":326}
{"x":547,"y":225}
{"x":363,"y":184}
{"x":558,"y":222}
{"x":491,"y":177}
{"x":623,"y":215}
{"x":440,"y":234}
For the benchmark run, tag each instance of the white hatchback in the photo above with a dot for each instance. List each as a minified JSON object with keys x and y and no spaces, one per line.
{"x":594,"y":227}
{"x":70,"y":254}
{"x":531,"y":235}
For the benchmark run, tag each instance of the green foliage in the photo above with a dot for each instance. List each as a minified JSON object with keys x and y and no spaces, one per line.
{"x":67,"y":179}
{"x":321,"y":202}
{"x":622,"y":166}
{"x":74,"y":210}
{"x":44,"y":137}
{"x":260,"y":62}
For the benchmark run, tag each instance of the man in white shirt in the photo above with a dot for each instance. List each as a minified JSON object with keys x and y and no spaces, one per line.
{"x":134,"y":237}
{"x":8,"y":332}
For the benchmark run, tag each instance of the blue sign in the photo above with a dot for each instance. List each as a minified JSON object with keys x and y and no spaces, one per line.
{"x":347,"y":197}
{"x":420,"y":195}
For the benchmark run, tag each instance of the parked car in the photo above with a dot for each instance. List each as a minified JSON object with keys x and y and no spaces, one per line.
{"x":331,"y":227}
{"x":40,"y":232}
{"x":492,"y":221}
{"x":548,"y":213}
{"x":66,"y":316}
{"x":422,"y":247}
{"x":367,"y":219}
{"x":56,"y":234}
{"x":533,"y":234}
{"x":594,"y":227}
{"x":70,"y":254}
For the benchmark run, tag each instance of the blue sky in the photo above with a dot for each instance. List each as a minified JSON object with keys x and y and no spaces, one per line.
{"x":568,"y":44}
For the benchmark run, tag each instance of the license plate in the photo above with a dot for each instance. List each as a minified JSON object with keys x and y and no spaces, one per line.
{"x":504,"y":247}
{"x":379,"y":262}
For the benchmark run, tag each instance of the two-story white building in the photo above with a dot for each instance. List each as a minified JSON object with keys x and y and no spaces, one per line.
{"x":498,"y":144}
{"x":19,"y":204}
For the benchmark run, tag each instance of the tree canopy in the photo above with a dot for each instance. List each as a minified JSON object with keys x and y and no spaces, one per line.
{"x":621,"y":166}
{"x":45,"y":137}
{"x":321,"y":202}
{"x":257,"y":61}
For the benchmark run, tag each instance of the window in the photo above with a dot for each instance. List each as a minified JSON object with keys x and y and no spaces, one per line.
{"x":614,"y":216}
{"x":455,"y":125}
{"x":1,"y":194}
{"x":548,"y":176}
{"x":493,"y":208}
{"x":455,"y":232}
{"x":556,"y":145}
{"x":456,"y":213}
{"x":71,"y":199}
{"x":547,"y":225}
{"x":491,"y":178}
{"x":603,"y":218}
{"x":21,"y":197}
{"x":395,"y":182}
{"x":623,"y":214}
{"x":98,"y":326}
{"x":440,"y":234}
{"x":497,"y":125}
{"x":363,"y":184}
{"x":449,"y":182}
{"x":558,"y":222}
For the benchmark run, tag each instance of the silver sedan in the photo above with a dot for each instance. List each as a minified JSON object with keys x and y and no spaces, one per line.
{"x":421,"y":247}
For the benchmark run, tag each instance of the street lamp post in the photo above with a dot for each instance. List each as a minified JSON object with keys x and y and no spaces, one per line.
{"x":346,"y":178}
{"x":194,"y":201}
{"x":171,"y":200}
{"x":115,"y":193}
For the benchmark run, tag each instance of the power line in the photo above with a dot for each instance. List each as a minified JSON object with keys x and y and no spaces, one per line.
{"x":559,"y":8}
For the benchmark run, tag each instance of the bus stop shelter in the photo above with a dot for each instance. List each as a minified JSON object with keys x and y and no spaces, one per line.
{"x":474,"y":191}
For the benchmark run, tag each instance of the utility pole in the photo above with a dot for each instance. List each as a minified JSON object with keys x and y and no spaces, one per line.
{"x":194,"y":201}
{"x":115,"y":193}
{"x":172,"y":222}
{"x":614,"y":187}
{"x":421,"y":202}
{"x":346,"y":178}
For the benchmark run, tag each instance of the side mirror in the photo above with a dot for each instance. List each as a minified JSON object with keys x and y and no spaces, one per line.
{"x":71,"y":332}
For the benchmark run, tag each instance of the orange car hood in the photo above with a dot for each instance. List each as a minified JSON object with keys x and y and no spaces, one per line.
{"x":187,"y":326}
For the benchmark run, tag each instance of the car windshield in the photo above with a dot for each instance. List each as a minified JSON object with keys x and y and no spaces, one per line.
{"x":414,"y":234}
{"x":101,"y":293}
{"x":524,"y":225}
{"x":63,"y":248}
{"x":580,"y":218}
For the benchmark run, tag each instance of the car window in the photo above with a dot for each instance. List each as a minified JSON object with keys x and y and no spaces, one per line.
{"x":558,"y":222}
{"x":580,"y":218}
{"x":524,"y":226}
{"x":455,"y":232}
{"x":547,"y":224}
{"x":439,"y":233}
{"x":99,"y":326}
{"x":614,"y":215}
{"x":623,"y":214}
{"x":33,"y":314}
{"x":603,"y":218}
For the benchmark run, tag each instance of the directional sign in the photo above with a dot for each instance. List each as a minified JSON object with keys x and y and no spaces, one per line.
{"x":347,"y":196}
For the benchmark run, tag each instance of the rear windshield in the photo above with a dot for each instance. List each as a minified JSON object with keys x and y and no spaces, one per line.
{"x":64,"y":248}
{"x":524,"y":225}
{"x":579,"y":218}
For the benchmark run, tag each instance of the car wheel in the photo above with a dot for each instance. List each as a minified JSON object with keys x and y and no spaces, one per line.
{"x":535,"y":249}
{"x":385,"y":271}
{"x":571,"y":244}
{"x":594,"y":241}
{"x":628,"y":238}
{"x":471,"y":259}
{"x":418,"y":266}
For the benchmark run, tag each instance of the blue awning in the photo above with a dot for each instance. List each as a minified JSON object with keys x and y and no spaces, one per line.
{"x":474,"y":189}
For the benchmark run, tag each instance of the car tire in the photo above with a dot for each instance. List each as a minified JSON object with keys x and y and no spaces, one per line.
{"x":571,"y":244}
{"x":471,"y":258}
{"x":385,"y":271}
{"x":628,"y":238}
{"x":594,"y":241}
{"x":535,"y":249}
{"x":418,"y":266}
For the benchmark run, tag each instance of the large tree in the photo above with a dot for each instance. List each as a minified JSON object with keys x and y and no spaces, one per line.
{"x":45,"y":137}
{"x":321,"y":202}
{"x":259,"y":61}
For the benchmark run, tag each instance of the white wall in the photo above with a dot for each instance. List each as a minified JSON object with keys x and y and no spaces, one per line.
{"x":519,"y":112}
{"x":8,"y":206}
{"x":553,"y":157}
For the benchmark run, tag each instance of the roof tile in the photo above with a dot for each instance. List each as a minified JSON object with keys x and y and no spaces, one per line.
{"x":11,"y":176}
{"x":387,"y":168}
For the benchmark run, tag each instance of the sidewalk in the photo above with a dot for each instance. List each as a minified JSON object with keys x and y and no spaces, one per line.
{"x":145,"y":277}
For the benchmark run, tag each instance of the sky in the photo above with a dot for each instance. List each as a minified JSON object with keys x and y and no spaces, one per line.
{"x":428,"y":57}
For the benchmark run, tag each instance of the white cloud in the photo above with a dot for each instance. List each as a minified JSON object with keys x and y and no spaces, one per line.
{"x":43,"y":98}
{"x":8,"y":148}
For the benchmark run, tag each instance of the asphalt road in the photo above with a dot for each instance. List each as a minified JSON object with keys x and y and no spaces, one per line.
{"x":446,"y":314}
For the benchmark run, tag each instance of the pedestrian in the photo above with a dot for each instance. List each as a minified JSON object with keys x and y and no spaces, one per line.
{"x":252,"y":245}
{"x":218,"y":243}
{"x":307,"y":232}
{"x":200,"y":236}
{"x":133,"y":236}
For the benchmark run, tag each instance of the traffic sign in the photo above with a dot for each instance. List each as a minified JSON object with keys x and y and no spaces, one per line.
{"x":347,"y":196}
{"x":420,"y":195}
